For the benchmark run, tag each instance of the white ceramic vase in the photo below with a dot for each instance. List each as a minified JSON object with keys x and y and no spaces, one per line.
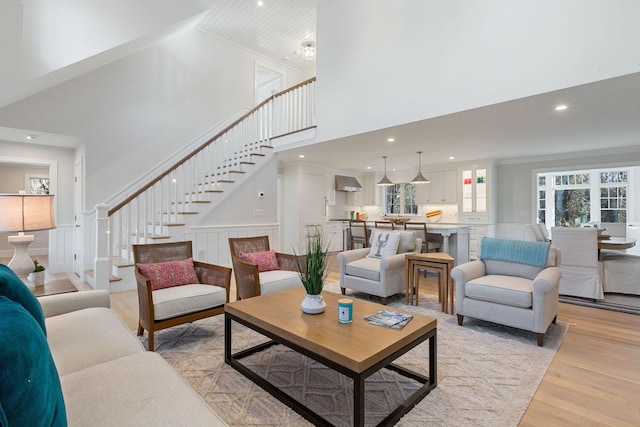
{"x":313,"y":304}
{"x":36,"y":278}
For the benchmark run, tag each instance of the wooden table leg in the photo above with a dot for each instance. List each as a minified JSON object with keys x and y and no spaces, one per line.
{"x":409,"y":274}
{"x":416,"y":282}
{"x":452,"y":291}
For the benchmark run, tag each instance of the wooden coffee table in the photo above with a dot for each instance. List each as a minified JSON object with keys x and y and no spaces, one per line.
{"x":356,"y":349}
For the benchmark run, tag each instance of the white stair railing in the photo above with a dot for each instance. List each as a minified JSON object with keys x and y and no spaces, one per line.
{"x":169,"y":199}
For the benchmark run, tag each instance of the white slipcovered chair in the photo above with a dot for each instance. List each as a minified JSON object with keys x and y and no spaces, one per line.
{"x":621,"y":268}
{"x":537,"y":232}
{"x":371,"y":271}
{"x":516,"y":287}
{"x":582,"y":272}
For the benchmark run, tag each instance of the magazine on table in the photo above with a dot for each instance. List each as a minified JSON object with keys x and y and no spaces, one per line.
{"x":389,"y":318}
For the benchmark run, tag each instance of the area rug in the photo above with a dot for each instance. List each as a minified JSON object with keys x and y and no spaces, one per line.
{"x":487,"y":374}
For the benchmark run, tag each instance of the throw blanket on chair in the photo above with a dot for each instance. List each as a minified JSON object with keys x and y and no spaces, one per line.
{"x":521,"y":251}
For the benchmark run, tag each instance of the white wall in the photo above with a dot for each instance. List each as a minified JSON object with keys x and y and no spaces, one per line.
{"x":134,"y":113}
{"x":243,"y":206}
{"x":59,"y":33}
{"x":384,"y":63}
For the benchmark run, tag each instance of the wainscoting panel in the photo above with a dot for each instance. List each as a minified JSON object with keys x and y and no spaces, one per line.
{"x":61,"y":248}
{"x":211,"y":244}
{"x":512,"y":231}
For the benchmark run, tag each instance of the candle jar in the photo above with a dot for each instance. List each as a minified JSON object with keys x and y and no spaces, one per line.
{"x":345,"y":310}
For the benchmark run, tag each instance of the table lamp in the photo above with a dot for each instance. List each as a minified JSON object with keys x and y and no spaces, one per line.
{"x":24,"y":212}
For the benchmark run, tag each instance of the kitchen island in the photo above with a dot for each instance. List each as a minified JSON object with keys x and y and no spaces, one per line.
{"x":454,"y":238}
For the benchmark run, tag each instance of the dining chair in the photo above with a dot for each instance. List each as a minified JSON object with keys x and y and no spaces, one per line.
{"x":582,"y":272}
{"x":420,"y":229}
{"x":384,"y":224}
{"x":358,"y":233}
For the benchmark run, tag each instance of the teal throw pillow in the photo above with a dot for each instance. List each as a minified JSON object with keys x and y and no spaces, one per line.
{"x":12,"y":287}
{"x":30,"y":392}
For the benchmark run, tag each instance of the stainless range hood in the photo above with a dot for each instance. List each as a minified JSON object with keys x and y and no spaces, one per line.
{"x":347,"y":183}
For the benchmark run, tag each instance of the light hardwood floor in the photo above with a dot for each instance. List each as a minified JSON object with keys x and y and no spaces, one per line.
{"x":594,"y":379}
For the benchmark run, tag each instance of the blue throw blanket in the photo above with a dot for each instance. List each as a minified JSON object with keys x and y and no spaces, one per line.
{"x":521,"y":251}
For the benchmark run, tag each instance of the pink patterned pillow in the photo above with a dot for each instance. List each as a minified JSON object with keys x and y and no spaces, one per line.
{"x":170,"y":273}
{"x":266,"y":260}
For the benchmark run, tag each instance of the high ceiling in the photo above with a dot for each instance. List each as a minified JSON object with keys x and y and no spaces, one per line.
{"x":275,"y":30}
{"x":601,"y":115}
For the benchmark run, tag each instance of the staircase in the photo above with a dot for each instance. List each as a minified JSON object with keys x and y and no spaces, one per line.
{"x":168,"y":204}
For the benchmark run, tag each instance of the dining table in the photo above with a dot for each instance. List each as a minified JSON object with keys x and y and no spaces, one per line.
{"x":615,"y":243}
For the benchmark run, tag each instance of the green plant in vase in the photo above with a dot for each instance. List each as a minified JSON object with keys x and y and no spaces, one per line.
{"x":313,"y":270}
{"x":37,"y":267}
{"x":37,"y":276}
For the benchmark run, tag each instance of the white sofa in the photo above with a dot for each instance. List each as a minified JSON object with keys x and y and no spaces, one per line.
{"x":107,"y":377}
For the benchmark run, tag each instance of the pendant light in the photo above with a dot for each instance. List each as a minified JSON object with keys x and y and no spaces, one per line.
{"x":419,"y":179}
{"x":385,"y":182}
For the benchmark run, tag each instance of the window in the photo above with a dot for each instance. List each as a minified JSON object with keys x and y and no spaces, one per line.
{"x":400,"y":199}
{"x":36,"y":184}
{"x":613,"y":196}
{"x":569,"y":199}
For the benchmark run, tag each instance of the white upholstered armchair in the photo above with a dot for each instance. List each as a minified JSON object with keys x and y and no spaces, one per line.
{"x":582,"y":271}
{"x":379,"y":270}
{"x":509,"y":287}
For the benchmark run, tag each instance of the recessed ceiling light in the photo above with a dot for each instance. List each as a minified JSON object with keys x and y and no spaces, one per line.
{"x":32,"y":137}
{"x":451,"y":157}
{"x":391,"y":139}
{"x":393,"y":170}
{"x":561,"y":107}
{"x":260,"y":3}
{"x":301,"y":156}
{"x":368,"y":167}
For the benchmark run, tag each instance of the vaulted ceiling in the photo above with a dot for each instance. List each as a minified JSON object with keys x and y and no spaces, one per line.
{"x":600,"y":115}
{"x":275,"y":30}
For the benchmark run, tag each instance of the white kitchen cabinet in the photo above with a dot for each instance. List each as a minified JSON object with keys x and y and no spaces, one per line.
{"x":333,"y":236}
{"x":304,"y":204}
{"x":331,"y":189}
{"x":442,"y":189}
{"x":476,"y":232}
{"x":311,"y":196}
{"x":478,"y":186}
{"x":354,"y":198}
{"x":450,"y":186}
{"x":369,"y":190}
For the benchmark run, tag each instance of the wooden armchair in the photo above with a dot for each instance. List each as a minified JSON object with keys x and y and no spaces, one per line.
{"x":250,"y":282}
{"x":170,"y":306}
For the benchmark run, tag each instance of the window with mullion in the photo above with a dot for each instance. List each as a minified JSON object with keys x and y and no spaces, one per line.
{"x":400,"y":199}
{"x":572,"y":198}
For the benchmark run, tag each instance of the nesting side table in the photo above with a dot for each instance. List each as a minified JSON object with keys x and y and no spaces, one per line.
{"x":440,"y":262}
